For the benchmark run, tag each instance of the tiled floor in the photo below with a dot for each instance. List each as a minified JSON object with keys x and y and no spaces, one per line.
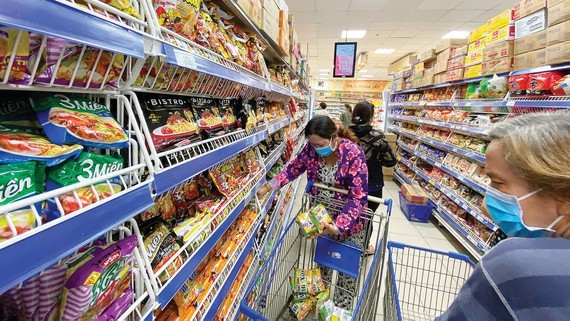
{"x":426,"y":235}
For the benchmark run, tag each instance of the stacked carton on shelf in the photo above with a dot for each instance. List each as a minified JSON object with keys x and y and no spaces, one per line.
{"x":530,"y":43}
{"x":498,"y":54}
{"x":450,"y":57}
{"x":472,"y":62}
{"x":253,"y":10}
{"x":558,"y":32}
{"x":270,"y":23}
{"x":284,"y":29}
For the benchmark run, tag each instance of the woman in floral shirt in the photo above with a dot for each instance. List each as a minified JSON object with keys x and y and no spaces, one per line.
{"x":332,"y":157}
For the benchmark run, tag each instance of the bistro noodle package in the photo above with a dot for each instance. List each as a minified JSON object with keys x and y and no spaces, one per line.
{"x":170,"y":120}
{"x":71,"y":119}
{"x":227,"y":113}
{"x":208,"y":116}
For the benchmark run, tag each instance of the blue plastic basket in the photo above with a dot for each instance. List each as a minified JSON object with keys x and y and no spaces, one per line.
{"x":415,"y":212}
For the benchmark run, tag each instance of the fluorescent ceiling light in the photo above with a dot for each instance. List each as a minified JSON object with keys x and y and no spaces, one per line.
{"x":456,"y":34}
{"x":353,"y":34}
{"x":363,"y":71}
{"x":384,"y":51}
{"x":368,"y":76}
{"x":324,"y":70}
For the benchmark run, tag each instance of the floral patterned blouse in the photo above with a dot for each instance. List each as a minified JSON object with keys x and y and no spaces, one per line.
{"x":352,"y":175}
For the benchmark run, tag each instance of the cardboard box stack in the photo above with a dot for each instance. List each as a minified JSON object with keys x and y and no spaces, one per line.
{"x":270,"y":23}
{"x":414,"y":194}
{"x":253,"y":10}
{"x":284,"y":29}
{"x":498,"y":54}
{"x":530,"y":34}
{"x":558,"y":32}
{"x":450,"y":53}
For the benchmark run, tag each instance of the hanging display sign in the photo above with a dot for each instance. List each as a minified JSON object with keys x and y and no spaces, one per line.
{"x":366,"y":86}
{"x":344,"y":59}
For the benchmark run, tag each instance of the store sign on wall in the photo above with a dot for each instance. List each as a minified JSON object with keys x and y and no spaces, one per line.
{"x":367,"y":86}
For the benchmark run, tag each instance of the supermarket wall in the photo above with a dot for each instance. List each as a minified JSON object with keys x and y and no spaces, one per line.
{"x":137,"y":136}
{"x":443,"y":105}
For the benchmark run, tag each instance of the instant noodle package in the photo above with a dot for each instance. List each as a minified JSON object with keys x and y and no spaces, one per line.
{"x":170,"y":120}
{"x":8,"y":45}
{"x":207,"y":116}
{"x":94,"y":284}
{"x":70,"y":119}
{"x":85,"y":167}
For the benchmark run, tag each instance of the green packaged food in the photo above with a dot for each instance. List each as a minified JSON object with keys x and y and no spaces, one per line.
{"x":306,"y":225}
{"x":16,"y":112}
{"x":315,"y":280}
{"x":86,"y":166}
{"x":319,"y":216}
{"x":341,"y":315}
{"x":325,"y":310}
{"x":302,"y":308}
{"x":71,"y":119}
{"x":19,"y":181}
{"x":299,"y":282}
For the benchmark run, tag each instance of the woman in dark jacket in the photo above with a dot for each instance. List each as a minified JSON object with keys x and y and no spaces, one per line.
{"x":376,"y":148}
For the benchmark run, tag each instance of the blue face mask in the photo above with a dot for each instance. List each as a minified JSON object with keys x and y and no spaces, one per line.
{"x":325,"y":151}
{"x":507,"y":213}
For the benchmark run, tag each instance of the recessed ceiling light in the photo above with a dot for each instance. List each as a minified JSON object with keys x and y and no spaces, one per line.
{"x":368,"y":76}
{"x":384,"y":51}
{"x":456,"y":34}
{"x":353,"y":34}
{"x":324,"y":70}
{"x":363,"y":71}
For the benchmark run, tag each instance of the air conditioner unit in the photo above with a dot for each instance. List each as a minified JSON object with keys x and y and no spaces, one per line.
{"x":361,"y":60}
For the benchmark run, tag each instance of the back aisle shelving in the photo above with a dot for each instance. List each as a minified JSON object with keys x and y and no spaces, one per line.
{"x":442,"y":139}
{"x":144,"y":58}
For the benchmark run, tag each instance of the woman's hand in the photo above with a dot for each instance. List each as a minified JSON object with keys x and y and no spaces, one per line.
{"x":330,"y":229}
{"x":263,"y":190}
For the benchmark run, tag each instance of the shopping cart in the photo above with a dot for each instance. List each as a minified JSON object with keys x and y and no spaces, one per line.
{"x":422,"y":283}
{"x":269,"y":294}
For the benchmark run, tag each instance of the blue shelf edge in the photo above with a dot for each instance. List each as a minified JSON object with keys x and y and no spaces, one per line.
{"x":201,"y":64}
{"x":278,"y":125}
{"x":177,"y":281}
{"x":37,"y":252}
{"x":63,"y":21}
{"x":213,"y":309}
{"x":276,"y":154}
{"x":460,"y":229}
{"x":177,"y":174}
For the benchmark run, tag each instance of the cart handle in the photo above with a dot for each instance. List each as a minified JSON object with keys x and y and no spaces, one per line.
{"x":373,"y":199}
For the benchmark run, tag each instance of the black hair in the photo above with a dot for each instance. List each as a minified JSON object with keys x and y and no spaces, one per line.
{"x":325,"y":127}
{"x":362,"y":113}
{"x":323,"y":105}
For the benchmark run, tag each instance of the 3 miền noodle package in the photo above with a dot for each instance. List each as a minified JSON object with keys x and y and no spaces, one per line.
{"x":70,"y":119}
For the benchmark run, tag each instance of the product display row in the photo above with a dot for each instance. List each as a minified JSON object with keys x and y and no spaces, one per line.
{"x":443,"y":138}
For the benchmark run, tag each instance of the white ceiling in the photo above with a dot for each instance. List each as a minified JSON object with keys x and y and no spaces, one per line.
{"x":405,"y":25}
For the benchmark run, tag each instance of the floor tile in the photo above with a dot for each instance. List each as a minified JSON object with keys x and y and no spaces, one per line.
{"x":402,"y":227}
{"x":408,"y":239}
{"x":430,"y":230}
{"x":441,"y":244}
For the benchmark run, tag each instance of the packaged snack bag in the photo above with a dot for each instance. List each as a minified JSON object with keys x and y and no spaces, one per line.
{"x":125,"y":6}
{"x":518,"y":85}
{"x":179,"y":16}
{"x":495,"y":87}
{"x":299,"y":282}
{"x":306,"y":225}
{"x":18,"y":146}
{"x":302,"y":308}
{"x":161,"y":245}
{"x":341,"y":315}
{"x":319,"y":216}
{"x":163,"y":207}
{"x":227,"y":113}
{"x":17,"y":74}
{"x":170,"y":120}
{"x":52,"y":282}
{"x":325,"y":310}
{"x":316,"y":284}
{"x":17,"y":113}
{"x":18,"y":181}
{"x":85,"y":167}
{"x":226,"y":176}
{"x":70,"y":119}
{"x":118,"y":307}
{"x":30,"y":295}
{"x":91,"y":287}
{"x":207,"y":116}
{"x":107,"y":71}
{"x":540,"y":84}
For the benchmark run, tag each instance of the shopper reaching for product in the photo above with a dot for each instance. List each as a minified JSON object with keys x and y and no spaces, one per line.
{"x":526,"y":277}
{"x":331,"y":157}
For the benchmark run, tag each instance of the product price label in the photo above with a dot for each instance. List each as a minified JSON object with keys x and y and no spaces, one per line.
{"x":184,"y":59}
{"x":510,"y":103}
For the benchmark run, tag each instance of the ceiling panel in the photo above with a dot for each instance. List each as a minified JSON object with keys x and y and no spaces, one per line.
{"x":330,"y":16}
{"x":461,"y":15}
{"x":384,"y":26}
{"x":331,"y":5}
{"x":426,"y":15}
{"x":359,"y":5}
{"x":439,"y":4}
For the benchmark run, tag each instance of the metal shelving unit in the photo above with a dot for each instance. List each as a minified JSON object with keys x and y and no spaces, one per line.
{"x":507,"y":105}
